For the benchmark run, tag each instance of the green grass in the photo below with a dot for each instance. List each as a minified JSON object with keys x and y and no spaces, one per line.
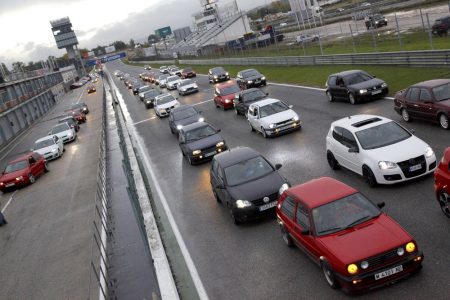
{"x":397,"y":78}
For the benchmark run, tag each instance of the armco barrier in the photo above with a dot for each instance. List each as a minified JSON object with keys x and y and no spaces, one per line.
{"x":437,"y":58}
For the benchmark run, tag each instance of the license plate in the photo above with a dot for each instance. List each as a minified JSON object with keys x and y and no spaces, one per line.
{"x":376,"y":92}
{"x":10,"y":184}
{"x":388,"y":272}
{"x":415,"y":168}
{"x":210,"y":154}
{"x":267,"y":206}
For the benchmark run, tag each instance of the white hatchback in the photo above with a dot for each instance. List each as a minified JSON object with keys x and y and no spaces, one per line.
{"x":64,"y":132}
{"x":172,"y":82}
{"x":50,"y":147}
{"x":164,"y":104}
{"x":187,"y":86}
{"x":379,"y":149}
{"x":272,"y":117}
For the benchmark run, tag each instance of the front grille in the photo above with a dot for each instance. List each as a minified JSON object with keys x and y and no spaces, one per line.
{"x":383,"y":259}
{"x":405,"y":165}
{"x":260,"y":201}
{"x":209,"y":149}
{"x":286,"y":122}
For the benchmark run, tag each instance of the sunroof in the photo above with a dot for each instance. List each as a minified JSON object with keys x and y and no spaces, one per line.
{"x":366,"y":122}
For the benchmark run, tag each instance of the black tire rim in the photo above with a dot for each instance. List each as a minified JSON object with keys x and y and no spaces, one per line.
{"x":444,"y":201}
{"x":331,"y":160}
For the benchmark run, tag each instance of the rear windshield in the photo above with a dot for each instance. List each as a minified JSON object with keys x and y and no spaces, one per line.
{"x":184,"y":114}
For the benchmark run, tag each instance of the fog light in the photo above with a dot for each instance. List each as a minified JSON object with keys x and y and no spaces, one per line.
{"x":418,"y":258}
{"x":400,"y":251}
{"x":364,"y":265}
{"x":356,"y":281}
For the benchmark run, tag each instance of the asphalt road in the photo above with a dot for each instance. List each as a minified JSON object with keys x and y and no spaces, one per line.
{"x":251,"y":261}
{"x":45,"y":249}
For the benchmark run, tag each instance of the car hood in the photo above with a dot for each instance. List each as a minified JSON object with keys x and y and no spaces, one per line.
{"x":188,"y":86}
{"x":257,"y":189}
{"x":63,"y":133}
{"x":167,"y":105}
{"x":187,"y":121}
{"x":279,"y":117}
{"x":173,"y":82}
{"x":13,"y":175}
{"x":365,"y":240}
{"x":404,"y":150}
{"x":367,"y":84}
{"x":44,"y":150}
{"x":253,"y":77}
{"x":206,"y":142}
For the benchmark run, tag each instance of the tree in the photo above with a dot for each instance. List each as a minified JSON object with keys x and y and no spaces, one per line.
{"x":119,"y":45}
{"x":18,"y":66}
{"x":152,"y":39}
{"x":5,"y":69}
{"x":132,"y":43}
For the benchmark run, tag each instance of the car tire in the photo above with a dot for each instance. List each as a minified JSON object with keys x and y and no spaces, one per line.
{"x":287,"y":237}
{"x":233,"y":216}
{"x":264,"y":133}
{"x":171,"y":130}
{"x":405,"y":115}
{"x":329,"y":96}
{"x":443,"y":121}
{"x":251,"y":127}
{"x":31,"y":178}
{"x":236,"y":111}
{"x":369,"y":176}
{"x":46,"y":169}
{"x":216,"y":196}
{"x":444,"y":202}
{"x":191,"y":162}
{"x":334,"y":164}
{"x":351,"y":98}
{"x":329,"y":275}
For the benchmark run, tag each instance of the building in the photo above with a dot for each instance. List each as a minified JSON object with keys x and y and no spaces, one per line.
{"x":180,"y":33}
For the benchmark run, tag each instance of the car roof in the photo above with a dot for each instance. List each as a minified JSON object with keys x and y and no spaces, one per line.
{"x":195,"y":125}
{"x":265,"y":102}
{"x":235,"y":155}
{"x":348,"y":72}
{"x":358,"y":122}
{"x":320,"y":191}
{"x":21,"y":157}
{"x":431,"y":83}
{"x":182,"y":108}
{"x":248,"y":70}
{"x":48,"y":137}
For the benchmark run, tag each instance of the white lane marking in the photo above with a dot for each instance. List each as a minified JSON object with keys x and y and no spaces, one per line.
{"x":206,"y":101}
{"x":146,"y":120}
{"x":9,"y":201}
{"x":81,"y":94}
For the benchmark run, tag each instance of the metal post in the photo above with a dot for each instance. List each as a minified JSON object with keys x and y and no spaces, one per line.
{"x":303,"y":20}
{"x":340,"y":27}
{"x":429,"y":33}
{"x":320,"y":43}
{"x":351,"y":34}
{"x":421,"y":17}
{"x":298,"y":23}
{"x":398,"y":32}
{"x":374,"y":39}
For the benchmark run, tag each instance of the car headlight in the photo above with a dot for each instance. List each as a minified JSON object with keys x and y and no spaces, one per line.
{"x":263,"y":78}
{"x":215,"y":77}
{"x":272,"y":126}
{"x":429,"y":152}
{"x":384,"y":84}
{"x":385,"y":20}
{"x":1,"y":183}
{"x":243,"y":203}
{"x":362,"y":91}
{"x":376,"y":22}
{"x":195,"y":86}
{"x":295,"y":118}
{"x":196,"y":152}
{"x":249,"y":82}
{"x":162,"y":110}
{"x":352,"y":269}
{"x":283,"y":187}
{"x":19,"y":178}
{"x":55,"y":150}
{"x":201,"y":119}
{"x":69,"y":134}
{"x":364,"y":264}
{"x":226,"y":74}
{"x":384,"y":165}
{"x":220,"y":144}
{"x":410,"y":247}
{"x":183,"y":90}
{"x":227,"y":100}
{"x":179,"y":127}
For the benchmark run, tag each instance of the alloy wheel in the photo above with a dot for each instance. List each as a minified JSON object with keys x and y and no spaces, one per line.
{"x":405,"y":115}
{"x":444,"y":201}
{"x":443,"y":121}
{"x":351,"y":98}
{"x":31,"y":178}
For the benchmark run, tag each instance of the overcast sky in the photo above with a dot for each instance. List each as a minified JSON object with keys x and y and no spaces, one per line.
{"x":26,"y":32}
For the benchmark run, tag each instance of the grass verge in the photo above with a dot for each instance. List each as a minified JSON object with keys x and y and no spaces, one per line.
{"x":397,"y":78}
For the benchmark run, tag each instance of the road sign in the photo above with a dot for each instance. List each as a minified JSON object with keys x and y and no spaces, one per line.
{"x":105,"y":59}
{"x":163,"y":32}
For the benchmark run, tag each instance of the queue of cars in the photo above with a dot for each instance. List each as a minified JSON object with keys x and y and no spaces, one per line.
{"x":26,"y":168}
{"x":356,"y":244}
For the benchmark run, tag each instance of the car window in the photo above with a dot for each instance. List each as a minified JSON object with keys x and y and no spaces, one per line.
{"x":337,"y":133}
{"x":288,"y":207}
{"x":348,"y":139}
{"x":425,"y":95}
{"x":301,"y":217}
{"x":382,"y":135}
{"x":413,"y":94}
{"x":442,"y":92}
{"x":332,"y":81}
{"x":16,"y":166}
{"x":247,"y":170}
{"x":185,"y":113}
{"x":340,"y":81}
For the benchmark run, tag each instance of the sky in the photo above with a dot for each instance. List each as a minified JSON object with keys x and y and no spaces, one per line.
{"x":26,"y":32}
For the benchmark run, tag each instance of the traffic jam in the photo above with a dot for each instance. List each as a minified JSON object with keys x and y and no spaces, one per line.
{"x":350,"y":237}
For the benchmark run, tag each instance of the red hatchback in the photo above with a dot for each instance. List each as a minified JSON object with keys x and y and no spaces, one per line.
{"x":22,"y":171}
{"x":358,"y":246}
{"x":442,"y":182}
{"x":225,"y":93}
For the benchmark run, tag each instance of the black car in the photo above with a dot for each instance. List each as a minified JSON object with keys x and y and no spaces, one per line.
{"x":355,"y":86}
{"x":71,"y":121}
{"x":441,"y":26}
{"x":375,"y":21}
{"x":218,"y":74}
{"x":247,"y":183}
{"x":182,"y":116}
{"x":200,"y":142}
{"x":136,"y":88}
{"x":247,"y":97}
{"x":81,"y":107}
{"x":149,"y":97}
{"x":250,"y":78}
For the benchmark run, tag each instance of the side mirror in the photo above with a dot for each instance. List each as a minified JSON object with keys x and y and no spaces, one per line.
{"x":278,"y":166}
{"x":381,"y":205}
{"x":220,"y":186}
{"x":353,"y":150}
{"x":291,"y":106}
{"x":304,"y":231}
{"x":219,"y":130}
{"x":267,"y":94}
{"x":412,"y":131}
{"x":374,"y":76}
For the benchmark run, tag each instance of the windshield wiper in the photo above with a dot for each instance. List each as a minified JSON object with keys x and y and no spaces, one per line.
{"x":330,"y":230}
{"x":358,"y":221}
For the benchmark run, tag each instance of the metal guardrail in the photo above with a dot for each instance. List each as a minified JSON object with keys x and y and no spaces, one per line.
{"x":437,"y":58}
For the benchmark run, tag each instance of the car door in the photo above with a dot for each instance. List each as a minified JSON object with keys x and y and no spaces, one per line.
{"x":340,"y":89}
{"x":34,"y":167}
{"x":426,"y":107}
{"x":253,"y":117}
{"x":301,"y":232}
{"x":343,"y":141}
{"x":412,"y":102}
{"x":217,"y":96}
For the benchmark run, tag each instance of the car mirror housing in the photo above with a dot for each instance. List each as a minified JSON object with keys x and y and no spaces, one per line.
{"x":219,"y":130}
{"x":278,"y":166}
{"x":381,"y":205}
{"x":304,"y":231}
{"x":267,"y":94}
{"x":353,"y":150}
{"x":413,"y":132}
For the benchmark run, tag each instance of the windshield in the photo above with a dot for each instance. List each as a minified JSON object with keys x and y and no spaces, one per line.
{"x":12,"y":167}
{"x":250,"y":73}
{"x":272,"y":108}
{"x":438,"y":22}
{"x":151,"y":94}
{"x":248,"y":170}
{"x":173,"y":78}
{"x":218,"y":70}
{"x":184,"y":114}
{"x":43,"y":144}
{"x":253,"y":96}
{"x":60,"y":128}
{"x":442,"y":92}
{"x":232,"y":89}
{"x":343,"y":213}
{"x":382,"y":135}
{"x":186,"y":82}
{"x":357,"y":78}
{"x":199,"y":133}
{"x":165,"y":99}
{"x":144,"y":89}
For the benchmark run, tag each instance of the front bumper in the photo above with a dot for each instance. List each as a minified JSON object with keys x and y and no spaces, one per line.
{"x":392,"y":176}
{"x":284,"y":129}
{"x":221,"y":78}
{"x":375,"y":94}
{"x":207,"y":154}
{"x":255,"y":83}
{"x":254,"y":212}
